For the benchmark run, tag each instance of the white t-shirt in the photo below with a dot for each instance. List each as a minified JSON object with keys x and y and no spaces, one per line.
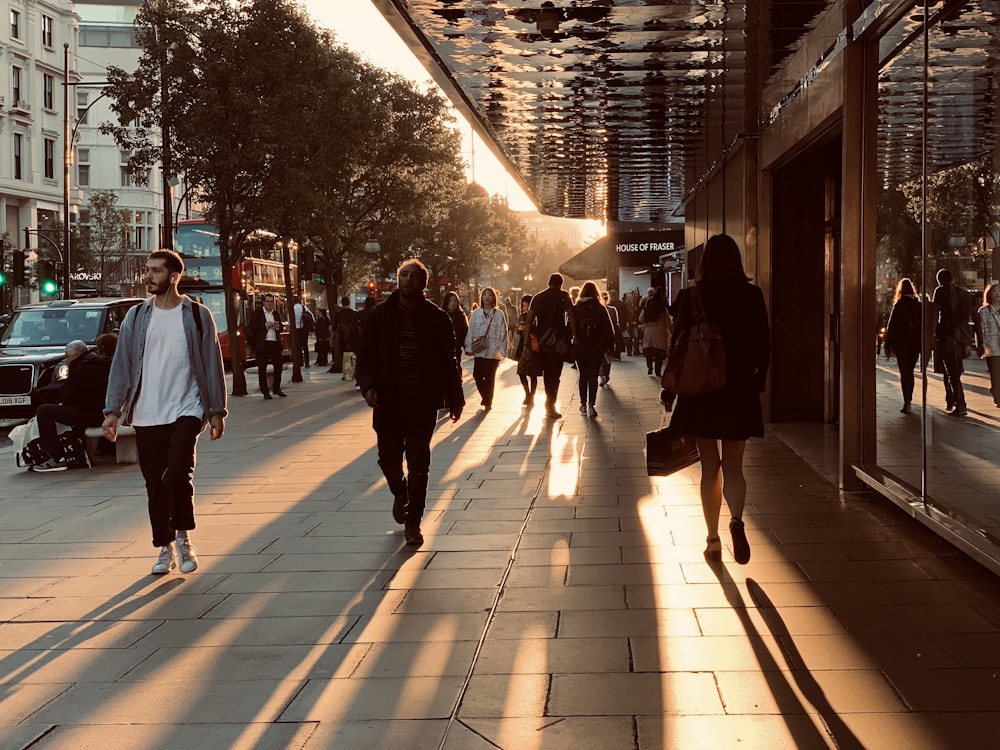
{"x":167,"y":390}
{"x":272,"y":333}
{"x":297,"y":310}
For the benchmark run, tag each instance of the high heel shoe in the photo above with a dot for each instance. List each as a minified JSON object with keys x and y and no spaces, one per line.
{"x":713,"y":551}
{"x":741,"y":547}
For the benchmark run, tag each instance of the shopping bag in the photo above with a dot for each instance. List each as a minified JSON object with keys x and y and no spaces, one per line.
{"x":667,"y":451}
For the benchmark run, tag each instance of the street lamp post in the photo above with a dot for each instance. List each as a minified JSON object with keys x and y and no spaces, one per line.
{"x":67,"y":157}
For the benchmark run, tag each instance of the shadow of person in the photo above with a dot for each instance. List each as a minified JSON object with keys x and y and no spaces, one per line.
{"x":788,"y":702}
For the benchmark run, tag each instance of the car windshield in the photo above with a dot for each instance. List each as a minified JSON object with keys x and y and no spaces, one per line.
{"x":52,"y":327}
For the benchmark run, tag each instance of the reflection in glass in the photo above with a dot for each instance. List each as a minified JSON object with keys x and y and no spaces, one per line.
{"x":938,"y":225}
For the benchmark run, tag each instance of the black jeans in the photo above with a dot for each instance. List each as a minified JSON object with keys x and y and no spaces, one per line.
{"x":269,"y":355}
{"x":406,"y":430}
{"x":303,"y":338}
{"x":484,"y":372}
{"x":954,"y":393}
{"x":589,"y":370}
{"x":906,"y":362}
{"x":49,"y":415}
{"x":551,"y":374}
{"x":166,"y":458}
{"x":993,"y":365}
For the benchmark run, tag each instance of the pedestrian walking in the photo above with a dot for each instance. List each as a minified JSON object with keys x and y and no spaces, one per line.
{"x":486,"y":341}
{"x":322,"y":338}
{"x":988,"y":345}
{"x":902,"y":336}
{"x":604,"y":374}
{"x":459,"y":321}
{"x":953,"y":339}
{"x":726,"y":419}
{"x":528,"y":366}
{"x":265,"y":328}
{"x":407,"y":371}
{"x":656,"y":330}
{"x":304,"y":325}
{"x":595,"y":337}
{"x":168,"y":382}
{"x":548,"y":318}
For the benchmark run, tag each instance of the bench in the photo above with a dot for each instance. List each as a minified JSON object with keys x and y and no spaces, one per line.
{"x":125,"y":451}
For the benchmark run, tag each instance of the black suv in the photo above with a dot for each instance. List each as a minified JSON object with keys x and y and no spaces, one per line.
{"x":32,"y":346}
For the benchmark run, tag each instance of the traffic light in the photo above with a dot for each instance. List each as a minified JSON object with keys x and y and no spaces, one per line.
{"x":3,"y":278}
{"x":47,"y":284}
{"x":305,"y":261}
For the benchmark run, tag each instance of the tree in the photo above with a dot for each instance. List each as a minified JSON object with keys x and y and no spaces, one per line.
{"x":106,"y":241}
{"x":229,"y":83}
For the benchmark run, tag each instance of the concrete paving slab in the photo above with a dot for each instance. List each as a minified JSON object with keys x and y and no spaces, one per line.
{"x":350,"y":700}
{"x":250,"y":736}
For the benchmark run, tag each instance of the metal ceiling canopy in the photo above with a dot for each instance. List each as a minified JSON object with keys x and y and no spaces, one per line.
{"x":598,"y":107}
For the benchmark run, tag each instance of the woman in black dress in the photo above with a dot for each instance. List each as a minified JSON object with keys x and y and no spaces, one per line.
{"x":902,"y":337}
{"x":727,"y":418}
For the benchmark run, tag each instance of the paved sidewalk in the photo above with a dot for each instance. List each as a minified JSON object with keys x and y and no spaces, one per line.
{"x":560,"y":600}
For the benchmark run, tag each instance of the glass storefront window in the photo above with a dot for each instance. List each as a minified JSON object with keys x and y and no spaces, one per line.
{"x":939,"y":218}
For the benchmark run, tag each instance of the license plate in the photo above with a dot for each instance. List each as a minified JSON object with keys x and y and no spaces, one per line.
{"x":15,"y":400}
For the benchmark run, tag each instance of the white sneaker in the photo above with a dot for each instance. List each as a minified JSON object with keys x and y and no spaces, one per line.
{"x":166,"y":562}
{"x":592,"y":412}
{"x":187,"y":554}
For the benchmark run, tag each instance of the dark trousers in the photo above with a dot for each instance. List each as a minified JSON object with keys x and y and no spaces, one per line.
{"x":589,"y":370}
{"x":993,"y":365}
{"x":49,"y":415}
{"x":954,"y":393}
{"x":303,"y":338}
{"x":551,"y":374}
{"x":166,"y":459}
{"x":655,"y":358}
{"x":406,"y":430}
{"x":906,"y":362}
{"x":484,"y":372}
{"x":270,"y":354}
{"x":322,"y":351}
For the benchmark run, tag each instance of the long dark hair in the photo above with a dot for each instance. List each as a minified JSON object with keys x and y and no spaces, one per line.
{"x":721,"y":261}
{"x":903,"y":288}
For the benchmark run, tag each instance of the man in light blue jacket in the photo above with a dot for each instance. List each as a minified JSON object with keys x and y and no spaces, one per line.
{"x":167,"y":381}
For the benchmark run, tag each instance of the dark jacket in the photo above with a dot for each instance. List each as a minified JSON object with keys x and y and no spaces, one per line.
{"x":378,"y":358}
{"x":257,"y":327}
{"x":86,"y":386}
{"x":595,"y":333}
{"x":902,"y":333}
{"x":734,"y":413}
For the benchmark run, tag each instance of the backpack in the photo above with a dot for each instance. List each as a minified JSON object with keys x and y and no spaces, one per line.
{"x":308,"y":321}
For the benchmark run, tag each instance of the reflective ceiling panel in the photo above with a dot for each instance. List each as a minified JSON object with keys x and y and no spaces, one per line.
{"x":598,"y":106}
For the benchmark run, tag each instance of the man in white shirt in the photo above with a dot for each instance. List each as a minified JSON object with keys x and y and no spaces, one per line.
{"x":167,"y":380}
{"x":304,"y":323}
{"x":265,"y":326}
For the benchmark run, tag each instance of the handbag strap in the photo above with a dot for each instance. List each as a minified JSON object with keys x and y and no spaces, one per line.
{"x":489,"y":323}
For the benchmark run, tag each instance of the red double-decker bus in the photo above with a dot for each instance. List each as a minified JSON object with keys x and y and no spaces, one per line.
{"x":197,"y":242}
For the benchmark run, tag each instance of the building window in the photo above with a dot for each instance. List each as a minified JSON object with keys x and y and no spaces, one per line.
{"x":47,"y":31}
{"x":18,"y":155}
{"x":50,"y":159}
{"x":82,"y":101}
{"x":15,"y":84}
{"x":15,"y":24}
{"x":48,"y":91}
{"x":83,"y":167}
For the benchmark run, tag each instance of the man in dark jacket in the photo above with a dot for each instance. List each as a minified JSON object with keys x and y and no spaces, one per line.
{"x":953,"y":339}
{"x":407,"y":371}
{"x":547,"y":317}
{"x":81,"y":402}
{"x":265,"y":328}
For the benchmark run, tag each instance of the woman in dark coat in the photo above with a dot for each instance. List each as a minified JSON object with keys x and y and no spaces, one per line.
{"x":729,"y":417}
{"x":459,"y":321}
{"x":595,"y":336}
{"x":902,"y":336}
{"x":528,"y":367}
